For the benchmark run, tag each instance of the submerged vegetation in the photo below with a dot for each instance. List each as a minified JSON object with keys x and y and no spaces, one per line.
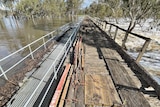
{"x":136,"y":10}
{"x":42,"y":8}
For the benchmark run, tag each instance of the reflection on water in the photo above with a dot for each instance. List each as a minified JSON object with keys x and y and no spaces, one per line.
{"x":15,"y":34}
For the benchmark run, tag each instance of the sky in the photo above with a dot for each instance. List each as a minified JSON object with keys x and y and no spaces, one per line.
{"x":86,"y":3}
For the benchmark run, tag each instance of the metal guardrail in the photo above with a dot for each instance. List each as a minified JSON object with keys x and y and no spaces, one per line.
{"x":50,"y":35}
{"x":62,"y":55}
{"x":103,"y":24}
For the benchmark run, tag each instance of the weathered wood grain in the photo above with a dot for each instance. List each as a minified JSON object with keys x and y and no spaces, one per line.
{"x":99,"y":90}
{"x":129,"y":93}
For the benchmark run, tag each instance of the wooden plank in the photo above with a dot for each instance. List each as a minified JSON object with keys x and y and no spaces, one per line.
{"x":76,"y":51}
{"x":80,"y":53}
{"x":136,"y":67}
{"x":100,"y":91}
{"x":59,"y":88}
{"x":132,"y":98}
{"x":82,"y":59}
{"x":63,"y":97}
{"x":130,"y":94}
{"x":70,"y":94}
{"x":111,"y":54}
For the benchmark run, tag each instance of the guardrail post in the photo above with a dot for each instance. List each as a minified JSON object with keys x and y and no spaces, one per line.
{"x":143,"y":50}
{"x":3,"y":73}
{"x":70,"y":42}
{"x":67,"y":46}
{"x":115,"y":33}
{"x":31,"y":51}
{"x":55,"y":73}
{"x":44,"y":43}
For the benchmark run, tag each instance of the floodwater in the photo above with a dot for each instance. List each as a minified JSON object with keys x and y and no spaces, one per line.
{"x":15,"y":34}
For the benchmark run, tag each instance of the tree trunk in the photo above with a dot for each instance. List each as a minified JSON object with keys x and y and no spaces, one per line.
{"x":115,"y":16}
{"x":131,"y":26}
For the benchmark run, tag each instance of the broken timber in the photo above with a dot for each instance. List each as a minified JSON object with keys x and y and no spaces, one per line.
{"x":100,"y":76}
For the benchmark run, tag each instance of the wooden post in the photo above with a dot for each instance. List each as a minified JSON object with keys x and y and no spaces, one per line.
{"x":143,"y":50}
{"x":101,"y":25}
{"x":115,"y":33}
{"x":105,"y":26}
{"x":110,"y":30}
{"x":98,"y":22}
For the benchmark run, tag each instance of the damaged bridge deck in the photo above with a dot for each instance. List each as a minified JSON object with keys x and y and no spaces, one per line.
{"x":102,"y":76}
{"x":90,"y":70}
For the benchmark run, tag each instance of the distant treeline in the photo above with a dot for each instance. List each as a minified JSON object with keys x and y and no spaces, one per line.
{"x":42,"y":8}
{"x":135,"y":10}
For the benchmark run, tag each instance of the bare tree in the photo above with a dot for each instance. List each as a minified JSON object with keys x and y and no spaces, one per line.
{"x":73,"y":7}
{"x":137,"y":10}
{"x":115,"y":6}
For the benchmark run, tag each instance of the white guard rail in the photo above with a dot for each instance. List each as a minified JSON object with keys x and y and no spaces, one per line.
{"x":62,"y":55}
{"x":50,"y":35}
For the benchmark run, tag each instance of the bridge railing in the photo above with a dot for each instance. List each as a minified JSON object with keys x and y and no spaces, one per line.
{"x":30,"y":50}
{"x":143,"y":75}
{"x":113,"y":33}
{"x":62,"y":55}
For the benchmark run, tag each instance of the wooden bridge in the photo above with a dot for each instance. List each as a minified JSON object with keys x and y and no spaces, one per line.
{"x":88,"y":68}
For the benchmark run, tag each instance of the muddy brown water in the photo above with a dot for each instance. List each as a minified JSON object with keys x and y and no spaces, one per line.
{"x":15,"y":34}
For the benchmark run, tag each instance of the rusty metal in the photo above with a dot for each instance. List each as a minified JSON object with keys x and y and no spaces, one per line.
{"x":59,"y":88}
